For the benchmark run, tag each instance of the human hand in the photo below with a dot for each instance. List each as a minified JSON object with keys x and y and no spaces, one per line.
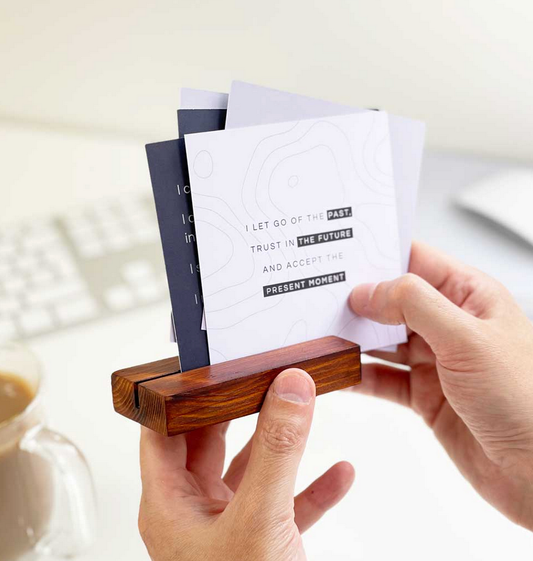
{"x":190,"y":512}
{"x":470,"y":350}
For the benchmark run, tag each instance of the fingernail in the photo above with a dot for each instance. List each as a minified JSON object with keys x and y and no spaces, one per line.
{"x":361,"y":295}
{"x":294,"y":385}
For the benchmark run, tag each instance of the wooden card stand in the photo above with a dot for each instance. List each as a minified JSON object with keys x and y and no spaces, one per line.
{"x":161,"y":397}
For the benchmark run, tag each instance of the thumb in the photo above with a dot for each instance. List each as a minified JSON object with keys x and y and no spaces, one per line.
{"x":283,"y":426}
{"x":412,"y":301}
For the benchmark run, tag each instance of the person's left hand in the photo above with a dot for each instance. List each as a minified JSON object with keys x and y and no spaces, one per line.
{"x":190,"y":512}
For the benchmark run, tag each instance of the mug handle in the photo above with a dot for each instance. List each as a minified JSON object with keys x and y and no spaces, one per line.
{"x":73,"y":521}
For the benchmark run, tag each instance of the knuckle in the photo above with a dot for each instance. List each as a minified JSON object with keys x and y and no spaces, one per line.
{"x":472,"y":286}
{"x":499,"y":291}
{"x":402,"y":294}
{"x":407,"y":287}
{"x":282,"y":435}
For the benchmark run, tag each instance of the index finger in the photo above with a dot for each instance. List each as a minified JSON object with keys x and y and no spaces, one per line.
{"x":162,"y":457}
{"x":434,"y":266}
{"x":466,"y":286}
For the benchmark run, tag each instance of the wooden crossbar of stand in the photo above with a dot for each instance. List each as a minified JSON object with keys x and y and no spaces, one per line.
{"x":159,"y":396}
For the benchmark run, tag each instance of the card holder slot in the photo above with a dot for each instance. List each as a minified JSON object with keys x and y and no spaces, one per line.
{"x":158,"y":395}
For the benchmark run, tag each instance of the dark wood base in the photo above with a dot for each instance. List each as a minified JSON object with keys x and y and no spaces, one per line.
{"x":159,"y":396}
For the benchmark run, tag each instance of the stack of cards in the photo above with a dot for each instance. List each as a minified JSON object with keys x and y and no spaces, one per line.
{"x":272,"y":207}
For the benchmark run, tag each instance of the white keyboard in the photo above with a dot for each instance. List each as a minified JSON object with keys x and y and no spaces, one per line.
{"x":89,"y":264}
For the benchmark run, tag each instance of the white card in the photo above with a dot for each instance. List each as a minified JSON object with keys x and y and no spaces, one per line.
{"x":201,"y":99}
{"x":277,"y":268}
{"x":256,"y":105}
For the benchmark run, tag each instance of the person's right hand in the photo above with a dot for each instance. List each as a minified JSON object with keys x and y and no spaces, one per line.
{"x":190,"y":512}
{"x":470,"y":351}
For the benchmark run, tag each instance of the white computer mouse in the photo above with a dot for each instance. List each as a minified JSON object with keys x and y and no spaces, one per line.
{"x":506,"y":197}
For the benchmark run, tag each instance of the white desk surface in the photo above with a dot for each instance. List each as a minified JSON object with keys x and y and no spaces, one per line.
{"x":408,"y":501}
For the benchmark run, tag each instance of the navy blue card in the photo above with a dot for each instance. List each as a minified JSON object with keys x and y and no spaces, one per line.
{"x":170,"y":183}
{"x":200,"y":120}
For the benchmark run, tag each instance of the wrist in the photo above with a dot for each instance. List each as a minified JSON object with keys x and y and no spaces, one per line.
{"x":514,"y":491}
{"x":526,"y":511}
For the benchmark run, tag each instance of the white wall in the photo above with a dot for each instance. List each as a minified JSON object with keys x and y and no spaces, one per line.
{"x":463,"y":66}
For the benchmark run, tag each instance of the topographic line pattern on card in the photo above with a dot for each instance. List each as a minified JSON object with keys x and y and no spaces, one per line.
{"x":251,"y":105}
{"x":289,"y":217}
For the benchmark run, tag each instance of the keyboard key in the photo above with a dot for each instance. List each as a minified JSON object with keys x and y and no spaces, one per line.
{"x":76,"y":310}
{"x":119,"y":297}
{"x":137,"y":272}
{"x":14,"y":285}
{"x":26,"y":262}
{"x":147,"y":234}
{"x":6,"y":269}
{"x":83,"y":235}
{"x":119,"y":242}
{"x":42,"y":276}
{"x":56,"y":255}
{"x":66,"y":269}
{"x":148,"y":292}
{"x":35,"y":321}
{"x":55,"y":292}
{"x":9,"y":305}
{"x":10,"y":233}
{"x":8,"y":330}
{"x":61,"y":263}
{"x":40,"y":238}
{"x":91,"y":249}
{"x":8,"y":250}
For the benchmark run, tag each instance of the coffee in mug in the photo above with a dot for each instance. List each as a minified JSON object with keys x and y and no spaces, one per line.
{"x":25,"y":480}
{"x":32,"y":492}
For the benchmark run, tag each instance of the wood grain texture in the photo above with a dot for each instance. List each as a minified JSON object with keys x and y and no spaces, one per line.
{"x":125,"y":386}
{"x":173,"y":403}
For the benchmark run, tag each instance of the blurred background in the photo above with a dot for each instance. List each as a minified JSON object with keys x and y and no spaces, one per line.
{"x":115,"y":66}
{"x":86,"y":85}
